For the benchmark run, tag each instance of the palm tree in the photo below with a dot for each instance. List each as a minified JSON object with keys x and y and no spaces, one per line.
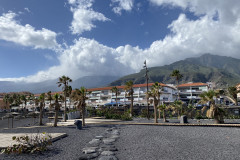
{"x":117,"y":92}
{"x":57,"y":107}
{"x":162,"y":108}
{"x":6,"y":99}
{"x":64,"y":80}
{"x":24,"y":100}
{"x":42,"y":100}
{"x":69,"y":92}
{"x":49,"y":98}
{"x":214,"y":111}
{"x":177,"y":107}
{"x":129,"y":90}
{"x":80,"y":96}
{"x":232,"y":91}
{"x":155,"y":93}
{"x":178,"y":76}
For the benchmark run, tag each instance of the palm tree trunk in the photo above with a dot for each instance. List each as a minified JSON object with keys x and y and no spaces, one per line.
{"x":41,"y":114}
{"x":55,"y":118}
{"x":159,"y":113}
{"x":65,"y":108}
{"x":155,"y":113}
{"x":131,"y":107}
{"x":116,"y":101}
{"x":83,"y":116}
{"x":164,"y":116}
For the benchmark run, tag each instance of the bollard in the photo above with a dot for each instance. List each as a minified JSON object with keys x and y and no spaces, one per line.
{"x":78,"y":124}
{"x":183,"y":119}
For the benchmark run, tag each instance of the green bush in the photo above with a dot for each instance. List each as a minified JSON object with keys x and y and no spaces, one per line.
{"x":26,"y":144}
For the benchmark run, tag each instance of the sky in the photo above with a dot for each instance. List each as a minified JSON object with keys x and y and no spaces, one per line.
{"x":45,"y":39}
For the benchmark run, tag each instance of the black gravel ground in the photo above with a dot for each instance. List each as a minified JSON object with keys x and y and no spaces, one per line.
{"x":140,"y":142}
{"x":170,"y":143}
{"x":69,"y":148}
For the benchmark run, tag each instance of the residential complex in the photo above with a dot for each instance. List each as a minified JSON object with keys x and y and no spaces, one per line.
{"x":103,"y":96}
{"x":191,"y":91}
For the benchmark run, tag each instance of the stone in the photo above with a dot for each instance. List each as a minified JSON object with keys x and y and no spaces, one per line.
{"x":108,"y":140}
{"x":108,"y":158}
{"x":109,"y":130}
{"x":94,"y":141}
{"x":99,"y":137}
{"x":89,"y":156}
{"x":115,"y":132}
{"x":108,"y":149}
{"x":183,"y":119}
{"x":107,"y":153}
{"x":89,"y":150}
{"x":114,"y":136}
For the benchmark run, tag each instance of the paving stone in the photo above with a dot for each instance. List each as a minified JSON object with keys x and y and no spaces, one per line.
{"x":89,"y":156}
{"x":94,"y":141}
{"x":99,"y":137}
{"x":107,"y":153}
{"x":89,"y":150}
{"x":108,"y":158}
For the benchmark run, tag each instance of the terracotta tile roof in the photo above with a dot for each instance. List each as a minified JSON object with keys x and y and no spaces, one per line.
{"x":109,"y":88}
{"x":192,"y":84}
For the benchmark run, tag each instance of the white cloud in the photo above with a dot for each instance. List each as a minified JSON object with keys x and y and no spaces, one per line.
{"x":84,"y":16}
{"x":12,"y":31}
{"x":120,"y":5}
{"x":27,"y":9}
{"x":188,"y":38}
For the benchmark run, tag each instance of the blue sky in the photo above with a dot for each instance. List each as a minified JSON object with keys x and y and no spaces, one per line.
{"x":41,"y":40}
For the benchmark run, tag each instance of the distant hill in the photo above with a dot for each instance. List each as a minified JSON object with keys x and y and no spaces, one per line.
{"x":50,"y":85}
{"x":207,"y":68}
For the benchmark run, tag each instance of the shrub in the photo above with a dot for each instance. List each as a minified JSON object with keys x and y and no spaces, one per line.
{"x":25,"y":144}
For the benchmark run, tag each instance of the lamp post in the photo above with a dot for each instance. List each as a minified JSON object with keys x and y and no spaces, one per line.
{"x":146,"y":75}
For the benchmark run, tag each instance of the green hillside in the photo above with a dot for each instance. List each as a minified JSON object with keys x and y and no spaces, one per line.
{"x":219,"y":69}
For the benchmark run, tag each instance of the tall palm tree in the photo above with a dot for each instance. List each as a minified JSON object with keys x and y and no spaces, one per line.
{"x":177,"y":107}
{"x":214,"y":111}
{"x":6,"y":99}
{"x":80,"y":96}
{"x":64,"y":80}
{"x":57,"y":108}
{"x":69,"y":92}
{"x":129,"y":90}
{"x":24,"y":100}
{"x":117,"y":92}
{"x":178,"y":76}
{"x":50,"y":98}
{"x":163,"y":108}
{"x":42,"y":101}
{"x":155,"y":93}
{"x":232,"y":91}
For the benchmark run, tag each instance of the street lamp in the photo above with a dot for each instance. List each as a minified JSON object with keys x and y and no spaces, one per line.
{"x":146,"y":75}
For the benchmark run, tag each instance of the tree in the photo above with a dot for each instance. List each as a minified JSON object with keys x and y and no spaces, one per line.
{"x":178,"y":76}
{"x":6,"y":99}
{"x":155,"y":93}
{"x":80,"y":96}
{"x":24,"y":99}
{"x":177,"y":107}
{"x":42,"y":101}
{"x":69,"y":92}
{"x":49,"y":98}
{"x":232,"y":91}
{"x":163,"y":108}
{"x":64,"y":80}
{"x":57,"y":108}
{"x":117,"y":92}
{"x":129,"y":91}
{"x":214,"y":111}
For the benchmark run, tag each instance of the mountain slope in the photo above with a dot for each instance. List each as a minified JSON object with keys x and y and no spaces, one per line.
{"x":218,"y":69}
{"x":50,"y":85}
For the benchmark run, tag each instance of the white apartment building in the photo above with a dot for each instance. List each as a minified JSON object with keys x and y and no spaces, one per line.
{"x":191,"y":91}
{"x":103,"y":96}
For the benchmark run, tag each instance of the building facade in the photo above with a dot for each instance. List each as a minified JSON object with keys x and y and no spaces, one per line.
{"x":191,"y":91}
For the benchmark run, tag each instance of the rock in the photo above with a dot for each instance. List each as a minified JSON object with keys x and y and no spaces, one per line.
{"x":109,"y":130}
{"x":115,"y":132}
{"x":99,"y":137}
{"x":89,"y":150}
{"x":94,"y":141}
{"x":89,"y":156}
{"x":107,"y":153}
{"x":108,"y":140}
{"x":108,"y":149}
{"x":108,"y":158}
{"x":114,"y":136}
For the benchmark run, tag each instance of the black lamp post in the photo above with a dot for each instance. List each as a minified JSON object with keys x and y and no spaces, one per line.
{"x":146,"y":75}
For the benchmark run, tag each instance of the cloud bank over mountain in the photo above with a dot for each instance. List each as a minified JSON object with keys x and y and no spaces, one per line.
{"x":215,"y":30}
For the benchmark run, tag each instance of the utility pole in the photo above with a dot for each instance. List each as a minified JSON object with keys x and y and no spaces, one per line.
{"x":146,"y":75}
